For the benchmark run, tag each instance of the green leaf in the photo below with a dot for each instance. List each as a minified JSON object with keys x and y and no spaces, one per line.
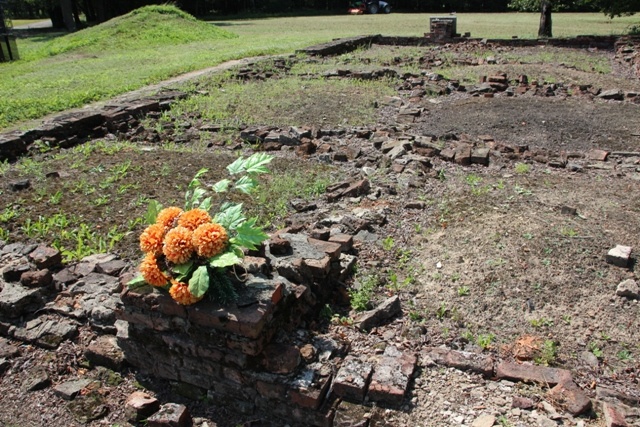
{"x":137,"y":282}
{"x":249,"y":235}
{"x":246,"y":184}
{"x":199,"y":282}
{"x":152,"y":211}
{"x":206,"y":204}
{"x":230,"y":215}
{"x":237,"y":250}
{"x":182,"y":270}
{"x":237,"y":166}
{"x":257,"y":163}
{"x":226,"y":259}
{"x":192,"y":199}
{"x":221,"y":186}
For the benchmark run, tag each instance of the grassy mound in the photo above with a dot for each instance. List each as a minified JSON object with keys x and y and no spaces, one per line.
{"x":146,"y":27}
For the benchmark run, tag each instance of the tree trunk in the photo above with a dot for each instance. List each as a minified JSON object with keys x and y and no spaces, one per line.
{"x":545,"y":20}
{"x":67,"y":15}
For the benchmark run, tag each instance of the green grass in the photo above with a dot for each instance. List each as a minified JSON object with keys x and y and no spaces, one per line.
{"x":59,"y":72}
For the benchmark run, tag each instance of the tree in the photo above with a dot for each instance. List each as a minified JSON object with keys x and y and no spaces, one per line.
{"x":611,"y":8}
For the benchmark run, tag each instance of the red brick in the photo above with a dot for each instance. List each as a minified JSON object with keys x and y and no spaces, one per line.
{"x":318,"y":267}
{"x":571,"y":398}
{"x":613,"y":417}
{"x":598,"y":155}
{"x":352,"y":379}
{"x":344,"y":240}
{"x":280,"y":358}
{"x":330,"y":248}
{"x":391,"y":377}
{"x":466,"y":361}
{"x":463,"y":155}
{"x":531,"y":373}
{"x":310,"y":397}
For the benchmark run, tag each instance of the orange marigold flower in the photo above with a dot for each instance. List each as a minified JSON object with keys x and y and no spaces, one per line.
{"x":180,"y":293}
{"x":194,"y":218}
{"x":151,"y":239}
{"x":210,"y":239}
{"x":167,"y":216}
{"x":177,"y":245}
{"x":151,"y":272}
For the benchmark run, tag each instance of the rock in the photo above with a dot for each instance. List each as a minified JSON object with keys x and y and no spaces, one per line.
{"x":16,"y":300}
{"x":615,"y":94}
{"x":613,"y":416}
{"x":463,"y":360}
{"x":170,"y":415}
{"x":619,"y":256}
{"x":140,"y":405}
{"x":36,"y":279}
{"x":46,"y":257}
{"x":280,"y":358}
{"x":19,"y":185}
{"x":628,"y":289}
{"x":589,"y":358}
{"x":308,"y":353}
{"x":570,"y":397}
{"x":521,"y":402}
{"x":351,"y":415}
{"x":610,"y":395}
{"x":47,"y":332}
{"x":7,"y":350}
{"x":111,"y":268}
{"x":89,"y":407}
{"x":88,"y":264}
{"x":391,"y":377}
{"x":37,"y":379}
{"x":105,"y":351}
{"x":532,"y":373}
{"x":352,"y":379}
{"x":598,"y":155}
{"x":385,"y":311}
{"x":68,"y":390}
{"x":463,"y":155}
{"x":484,"y":420}
{"x":480,"y":156}
{"x":13,"y":270}
{"x":567,"y":210}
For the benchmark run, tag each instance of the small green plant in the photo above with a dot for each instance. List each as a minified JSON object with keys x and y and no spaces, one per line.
{"x":56,"y":198}
{"x":463,"y":291}
{"x":362,"y":294}
{"x":441,"y":175}
{"x":387,"y":243}
{"x":527,"y":236}
{"x":485,"y":341}
{"x":568,"y":232}
{"x":442,"y":311}
{"x":473,"y":180}
{"x":595,"y":349}
{"x":624,"y":355}
{"x":522,"y":168}
{"x":468,"y":336}
{"x":541,"y":322}
{"x":521,"y":190}
{"x":504,"y":421}
{"x":548,"y":353}
{"x":566,"y":319}
{"x":8,"y":214}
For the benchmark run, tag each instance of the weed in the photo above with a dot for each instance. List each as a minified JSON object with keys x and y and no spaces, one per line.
{"x":541,"y":322}
{"x":527,"y":236}
{"x":504,"y":421}
{"x":473,"y":180}
{"x":102,"y":200}
{"x":442,"y":311}
{"x":455,"y":277}
{"x":56,"y":198}
{"x":4,"y":167}
{"x":326,"y":312}
{"x":521,"y":190}
{"x":568,"y":232}
{"x":416,"y":316}
{"x":4,"y":234}
{"x":463,"y":291}
{"x":8,"y":214}
{"x":468,"y":336}
{"x":548,"y":353}
{"x":485,"y":341}
{"x":441,"y":175}
{"x":361,"y":296}
{"x":387,"y":243}
{"x":624,"y":355}
{"x":522,"y":168}
{"x":566,"y":319}
{"x":595,"y":349}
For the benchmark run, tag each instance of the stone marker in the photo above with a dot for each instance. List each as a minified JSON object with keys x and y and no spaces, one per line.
{"x":619,"y":256}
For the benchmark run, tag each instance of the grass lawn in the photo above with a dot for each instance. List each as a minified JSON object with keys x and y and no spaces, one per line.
{"x":59,"y":72}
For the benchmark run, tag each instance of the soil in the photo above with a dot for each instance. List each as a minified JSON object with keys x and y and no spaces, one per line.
{"x":487,"y":261}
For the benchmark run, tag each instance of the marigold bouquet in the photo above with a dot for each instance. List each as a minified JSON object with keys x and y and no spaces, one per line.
{"x":187,"y":251}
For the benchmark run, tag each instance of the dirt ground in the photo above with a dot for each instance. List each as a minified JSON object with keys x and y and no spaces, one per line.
{"x":487,"y":261}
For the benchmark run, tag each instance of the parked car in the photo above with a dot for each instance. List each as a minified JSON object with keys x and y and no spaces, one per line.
{"x":370,"y":6}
